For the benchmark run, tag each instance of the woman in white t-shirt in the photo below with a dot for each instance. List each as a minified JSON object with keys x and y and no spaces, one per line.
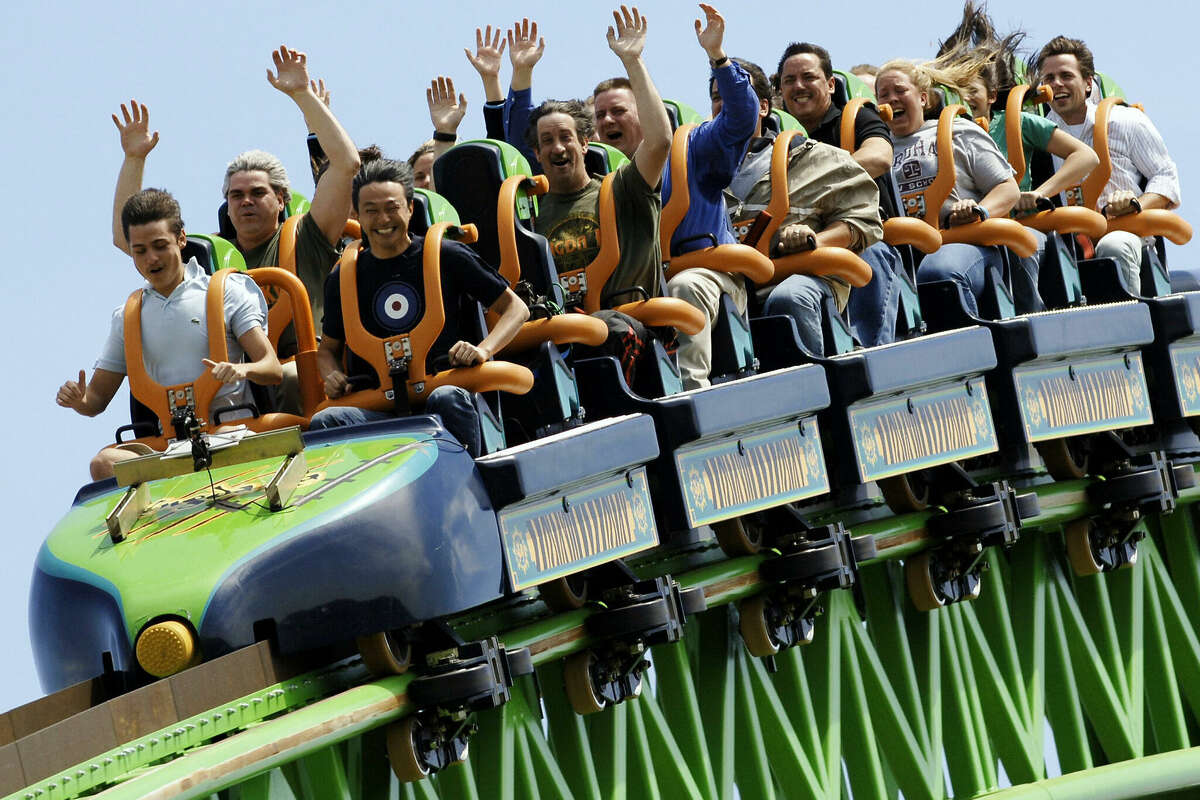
{"x":983,"y":177}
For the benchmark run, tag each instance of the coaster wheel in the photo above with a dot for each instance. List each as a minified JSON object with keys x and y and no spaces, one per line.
{"x":406,"y":760}
{"x":385,"y":653}
{"x":922,"y":590}
{"x":905,"y":494}
{"x":565,"y":594}
{"x":577,"y":679}
{"x":753,"y":625}
{"x":738,"y":539}
{"x":1081,"y":554}
{"x":1065,"y":460}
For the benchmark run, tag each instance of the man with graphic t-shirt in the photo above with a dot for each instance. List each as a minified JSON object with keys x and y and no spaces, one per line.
{"x":391,"y":301}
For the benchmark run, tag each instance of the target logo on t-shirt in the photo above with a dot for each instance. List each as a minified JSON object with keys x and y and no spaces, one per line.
{"x":398,"y":307}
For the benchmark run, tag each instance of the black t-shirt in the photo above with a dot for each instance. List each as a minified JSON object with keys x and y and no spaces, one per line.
{"x":867,"y":124}
{"x":391,"y":296}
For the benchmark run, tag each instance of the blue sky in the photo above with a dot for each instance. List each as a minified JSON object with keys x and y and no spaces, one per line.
{"x":201,"y":69}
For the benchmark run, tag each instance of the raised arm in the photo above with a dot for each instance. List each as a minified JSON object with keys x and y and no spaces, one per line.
{"x":445,"y":113}
{"x":316,"y":156}
{"x":627,"y":41}
{"x":136,"y":142}
{"x":525,"y":49}
{"x":331,"y":201}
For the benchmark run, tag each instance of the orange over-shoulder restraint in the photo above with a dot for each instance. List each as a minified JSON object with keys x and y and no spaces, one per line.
{"x":409,"y":351}
{"x":163,"y":401}
{"x":733,"y":258}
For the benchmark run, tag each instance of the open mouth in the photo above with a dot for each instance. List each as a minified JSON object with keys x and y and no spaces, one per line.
{"x":385,"y":231}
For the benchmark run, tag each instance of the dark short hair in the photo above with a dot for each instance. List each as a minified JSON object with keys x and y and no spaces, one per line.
{"x":758,"y":80}
{"x":575,"y":109}
{"x":383,"y":170}
{"x":416,"y":156}
{"x":151,"y":205}
{"x":369,"y":153}
{"x":612,"y":83}
{"x":800,"y":48}
{"x":1066,"y":46}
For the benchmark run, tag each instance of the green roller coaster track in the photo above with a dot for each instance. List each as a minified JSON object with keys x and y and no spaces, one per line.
{"x":1094,"y":677}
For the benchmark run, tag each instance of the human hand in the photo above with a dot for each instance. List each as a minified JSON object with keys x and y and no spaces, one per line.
{"x":630,"y":36}
{"x":72,"y":393}
{"x":796,"y":238}
{"x":963,"y":212}
{"x":336,"y":384}
{"x":136,"y":139}
{"x":445,"y":113}
{"x":1027,"y":202}
{"x":525,"y":47}
{"x":323,"y":94}
{"x":465,"y":354}
{"x":292,"y":68}
{"x":226,"y":372}
{"x":488,"y":50}
{"x":1120,"y":202}
{"x":712,"y":36}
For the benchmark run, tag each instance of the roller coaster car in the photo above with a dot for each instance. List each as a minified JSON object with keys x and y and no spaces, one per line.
{"x":327,"y":537}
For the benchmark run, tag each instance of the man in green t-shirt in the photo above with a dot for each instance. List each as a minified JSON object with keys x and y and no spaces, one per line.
{"x":569,"y":215}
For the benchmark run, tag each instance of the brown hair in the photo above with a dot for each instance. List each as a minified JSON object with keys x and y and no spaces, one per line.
{"x":1066,"y":46}
{"x":151,"y":205}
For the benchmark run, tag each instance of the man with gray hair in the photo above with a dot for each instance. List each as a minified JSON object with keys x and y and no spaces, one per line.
{"x":256,"y":183}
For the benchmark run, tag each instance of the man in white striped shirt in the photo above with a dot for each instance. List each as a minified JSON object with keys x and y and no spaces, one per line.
{"x":1141,"y":167}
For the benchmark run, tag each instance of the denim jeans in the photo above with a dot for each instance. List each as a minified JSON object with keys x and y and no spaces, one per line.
{"x":965,"y":264}
{"x":453,"y":404}
{"x":800,"y":297}
{"x":874,"y":307}
{"x":1026,"y":297}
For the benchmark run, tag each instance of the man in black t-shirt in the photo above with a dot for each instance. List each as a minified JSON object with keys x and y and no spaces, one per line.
{"x":805,"y":81}
{"x":391,"y":301}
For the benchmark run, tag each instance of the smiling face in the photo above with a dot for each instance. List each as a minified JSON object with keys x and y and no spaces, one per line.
{"x":908,"y":103}
{"x":1070,"y":89}
{"x":253,"y":207}
{"x":979,"y":98}
{"x":807,"y":90}
{"x":384,"y":212}
{"x":156,"y":252}
{"x":616,"y":120}
{"x":561,"y":152}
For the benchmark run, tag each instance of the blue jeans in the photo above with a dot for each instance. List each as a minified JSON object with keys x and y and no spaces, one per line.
{"x":800,"y":297}
{"x":874,"y":307}
{"x":965,"y":264}
{"x":453,"y":404}
{"x":1026,"y":297}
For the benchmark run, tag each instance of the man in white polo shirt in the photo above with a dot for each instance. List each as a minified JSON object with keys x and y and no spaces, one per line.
{"x":174,"y":324}
{"x":1141,"y":168}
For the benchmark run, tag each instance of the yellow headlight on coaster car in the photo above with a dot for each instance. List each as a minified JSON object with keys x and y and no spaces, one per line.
{"x":167,"y":647}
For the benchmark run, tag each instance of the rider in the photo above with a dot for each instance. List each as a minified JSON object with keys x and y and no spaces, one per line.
{"x":174,"y":324}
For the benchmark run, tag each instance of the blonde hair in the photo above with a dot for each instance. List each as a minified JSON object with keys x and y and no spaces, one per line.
{"x":955,"y":70}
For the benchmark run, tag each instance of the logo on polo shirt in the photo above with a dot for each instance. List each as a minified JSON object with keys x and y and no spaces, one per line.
{"x":398,"y":307}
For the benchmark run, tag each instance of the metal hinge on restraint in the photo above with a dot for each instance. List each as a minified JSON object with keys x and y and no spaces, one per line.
{"x":399,"y":356}
{"x":574,"y":286}
{"x":914,"y":205}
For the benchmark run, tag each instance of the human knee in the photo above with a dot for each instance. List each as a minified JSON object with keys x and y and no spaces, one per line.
{"x":697,"y":287}
{"x":798,"y":293}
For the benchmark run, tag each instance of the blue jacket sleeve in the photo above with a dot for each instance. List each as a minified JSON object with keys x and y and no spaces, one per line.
{"x":717,"y":147}
{"x":493,"y":120}
{"x":517,"y":110}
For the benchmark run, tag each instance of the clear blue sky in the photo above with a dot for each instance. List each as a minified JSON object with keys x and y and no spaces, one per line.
{"x":201,"y":69}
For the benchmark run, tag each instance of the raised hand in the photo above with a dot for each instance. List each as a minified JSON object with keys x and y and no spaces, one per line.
{"x":629,"y":38}
{"x":292,"y":69}
{"x":712,"y":35}
{"x":226,"y":372}
{"x":72,"y":393}
{"x":445,"y":113}
{"x":136,"y":139}
{"x":488,"y":51}
{"x":525,"y":48}
{"x":323,"y":94}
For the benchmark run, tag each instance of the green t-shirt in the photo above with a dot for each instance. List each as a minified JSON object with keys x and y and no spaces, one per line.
{"x":315,"y":258}
{"x":1035,"y":135}
{"x":570,"y":222}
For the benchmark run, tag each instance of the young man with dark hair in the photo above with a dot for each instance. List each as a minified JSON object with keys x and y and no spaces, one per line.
{"x":174,"y":326}
{"x":807,"y":83}
{"x":1142,"y":169}
{"x":391,"y":301}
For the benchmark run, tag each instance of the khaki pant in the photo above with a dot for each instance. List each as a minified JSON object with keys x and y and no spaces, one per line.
{"x":703,"y":288}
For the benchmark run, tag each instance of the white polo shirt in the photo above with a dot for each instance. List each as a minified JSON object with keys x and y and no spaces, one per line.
{"x":175,"y":331}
